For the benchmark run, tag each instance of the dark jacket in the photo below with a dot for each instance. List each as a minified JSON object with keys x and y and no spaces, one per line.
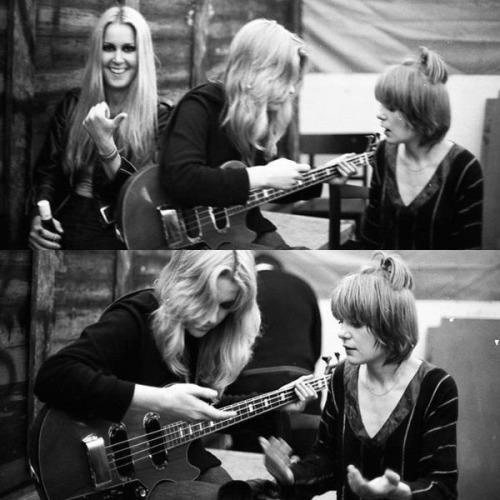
{"x":50,"y":182}
{"x":194,"y":140}
{"x":95,"y":376}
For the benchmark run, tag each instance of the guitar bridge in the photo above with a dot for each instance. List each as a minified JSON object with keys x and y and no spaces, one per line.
{"x":98,"y":462}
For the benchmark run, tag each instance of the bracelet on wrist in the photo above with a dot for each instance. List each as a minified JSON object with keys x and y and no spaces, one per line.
{"x":110,"y":156}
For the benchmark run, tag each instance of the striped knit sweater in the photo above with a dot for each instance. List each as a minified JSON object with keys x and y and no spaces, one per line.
{"x":446,"y":214}
{"x":418,"y":441}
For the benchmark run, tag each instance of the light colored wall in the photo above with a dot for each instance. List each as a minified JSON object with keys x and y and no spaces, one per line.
{"x":431,"y":313}
{"x":342,"y":103}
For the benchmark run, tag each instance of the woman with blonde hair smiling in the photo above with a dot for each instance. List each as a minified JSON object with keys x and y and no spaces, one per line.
{"x":388,"y":429}
{"x":100,"y":135}
{"x":242,"y":117}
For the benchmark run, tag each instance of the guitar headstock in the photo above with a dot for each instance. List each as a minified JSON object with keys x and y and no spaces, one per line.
{"x":373,"y":141}
{"x":329,"y":365}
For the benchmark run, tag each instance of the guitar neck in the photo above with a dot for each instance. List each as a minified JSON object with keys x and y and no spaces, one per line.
{"x":180,"y":433}
{"x":310,"y":178}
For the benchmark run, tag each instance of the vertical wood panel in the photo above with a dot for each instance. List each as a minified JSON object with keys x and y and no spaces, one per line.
{"x":200,"y":29}
{"x":45,"y":264}
{"x":15,"y":286}
{"x":18,"y":96}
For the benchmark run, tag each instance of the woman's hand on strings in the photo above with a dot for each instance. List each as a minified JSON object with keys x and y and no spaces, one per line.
{"x":345,"y":168}
{"x":188,"y":402}
{"x":279,"y":174}
{"x":304,"y":392}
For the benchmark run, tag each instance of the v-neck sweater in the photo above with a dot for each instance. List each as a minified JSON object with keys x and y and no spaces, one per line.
{"x":418,"y":440}
{"x":446,"y":214}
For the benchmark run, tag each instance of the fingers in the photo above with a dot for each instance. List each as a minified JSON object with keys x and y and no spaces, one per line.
{"x":392,"y":477}
{"x":42,"y":239}
{"x":277,"y":449}
{"x":303,"y":389}
{"x":201,"y":392}
{"x":118,"y":119}
{"x":356,"y":481}
{"x":216,"y":414}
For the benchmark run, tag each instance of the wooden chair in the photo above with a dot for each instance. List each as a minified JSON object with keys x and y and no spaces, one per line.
{"x":344,"y":202}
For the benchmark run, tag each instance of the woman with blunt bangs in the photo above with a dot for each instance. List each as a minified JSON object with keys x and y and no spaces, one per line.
{"x":426,"y":191}
{"x":171,"y":350}
{"x":388,"y":428}
{"x":100,"y":135}
{"x":240,"y":117}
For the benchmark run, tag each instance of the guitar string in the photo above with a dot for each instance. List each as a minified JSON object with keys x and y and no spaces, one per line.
{"x":315,"y":176}
{"x":186,"y":432}
{"x":182,"y":434}
{"x":193,"y":429}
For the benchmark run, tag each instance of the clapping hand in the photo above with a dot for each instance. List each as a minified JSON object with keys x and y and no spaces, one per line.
{"x":387,"y":486}
{"x":278,"y":457}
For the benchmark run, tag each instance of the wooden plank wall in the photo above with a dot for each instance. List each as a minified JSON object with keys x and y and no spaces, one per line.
{"x":45,"y":51}
{"x":46,"y":299}
{"x":17,"y":33}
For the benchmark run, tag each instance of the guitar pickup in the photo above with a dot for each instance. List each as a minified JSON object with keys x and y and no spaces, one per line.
{"x":98,"y":462}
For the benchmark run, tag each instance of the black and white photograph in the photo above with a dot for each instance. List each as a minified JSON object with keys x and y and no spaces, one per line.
{"x":250,"y":249}
{"x":220,"y":374}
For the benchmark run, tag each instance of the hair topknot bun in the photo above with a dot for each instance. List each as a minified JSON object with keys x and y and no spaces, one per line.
{"x":434,"y":66}
{"x":395,"y":271}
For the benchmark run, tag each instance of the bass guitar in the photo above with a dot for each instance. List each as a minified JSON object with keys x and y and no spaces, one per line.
{"x":147,"y":221}
{"x":73,"y":459}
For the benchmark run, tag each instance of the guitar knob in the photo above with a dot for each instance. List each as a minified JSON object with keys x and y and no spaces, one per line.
{"x":140,"y":492}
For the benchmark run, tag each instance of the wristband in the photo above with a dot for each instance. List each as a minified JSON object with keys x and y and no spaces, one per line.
{"x":110,"y":156}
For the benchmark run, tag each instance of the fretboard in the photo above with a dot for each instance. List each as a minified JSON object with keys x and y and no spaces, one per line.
{"x":310,"y":178}
{"x":180,"y":433}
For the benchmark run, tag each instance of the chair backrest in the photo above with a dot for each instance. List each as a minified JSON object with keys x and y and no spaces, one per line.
{"x":336,"y":144}
{"x":337,"y":194}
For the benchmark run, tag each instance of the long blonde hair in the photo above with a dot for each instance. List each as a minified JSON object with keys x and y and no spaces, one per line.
{"x":185,"y":291}
{"x":136,"y":135}
{"x":265,"y":61}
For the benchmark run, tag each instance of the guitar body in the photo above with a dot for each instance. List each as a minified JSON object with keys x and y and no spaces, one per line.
{"x":137,"y":217}
{"x":147,"y":221}
{"x":61,"y":462}
{"x":94,"y":459}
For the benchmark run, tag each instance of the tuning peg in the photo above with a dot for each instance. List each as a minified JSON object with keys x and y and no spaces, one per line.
{"x":329,"y":367}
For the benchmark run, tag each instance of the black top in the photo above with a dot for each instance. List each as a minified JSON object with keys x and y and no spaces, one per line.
{"x":94,"y":377}
{"x":194,"y":146}
{"x":446,"y":214}
{"x":52,"y":183}
{"x":418,"y":440}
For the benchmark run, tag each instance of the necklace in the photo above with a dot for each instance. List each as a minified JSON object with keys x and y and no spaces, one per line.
{"x":413,"y":169}
{"x":385,"y":392}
